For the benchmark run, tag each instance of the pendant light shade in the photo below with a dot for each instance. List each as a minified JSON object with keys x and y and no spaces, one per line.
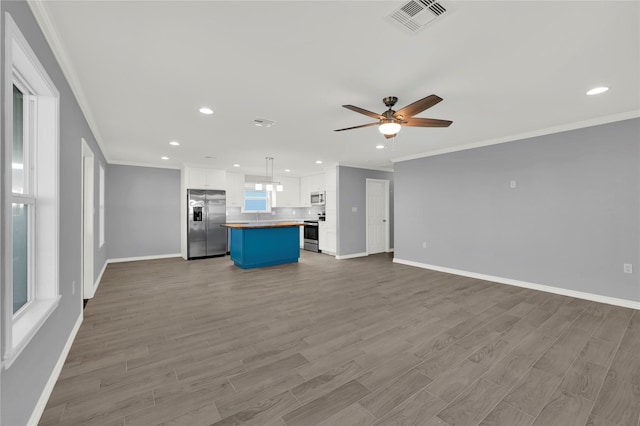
{"x":268,"y":184}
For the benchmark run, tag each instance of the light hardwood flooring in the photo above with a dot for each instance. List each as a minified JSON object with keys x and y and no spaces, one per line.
{"x":351,"y":342}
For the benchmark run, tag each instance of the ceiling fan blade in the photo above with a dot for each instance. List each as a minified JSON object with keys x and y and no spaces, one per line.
{"x":363,"y":111}
{"x":357,"y":127}
{"x":418,"y":106}
{"x":426,"y":122}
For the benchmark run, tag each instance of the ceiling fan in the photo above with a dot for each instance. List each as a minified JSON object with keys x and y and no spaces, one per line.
{"x":390,"y":122}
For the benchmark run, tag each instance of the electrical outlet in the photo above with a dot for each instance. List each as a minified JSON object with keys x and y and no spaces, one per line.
{"x":73,"y":288}
{"x":627,"y":268}
{"x":512,"y":184}
{"x":354,"y":209}
{"x":424,"y":244}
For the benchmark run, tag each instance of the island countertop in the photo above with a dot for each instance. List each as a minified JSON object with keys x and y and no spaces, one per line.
{"x":249,"y":225}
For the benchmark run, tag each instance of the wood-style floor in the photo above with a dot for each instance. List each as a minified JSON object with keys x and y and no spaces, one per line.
{"x":350,"y":342}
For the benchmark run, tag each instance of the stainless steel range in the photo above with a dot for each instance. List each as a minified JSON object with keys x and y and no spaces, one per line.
{"x":311,"y":235}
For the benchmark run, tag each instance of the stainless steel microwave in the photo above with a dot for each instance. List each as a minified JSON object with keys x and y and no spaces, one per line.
{"x":317,"y":198}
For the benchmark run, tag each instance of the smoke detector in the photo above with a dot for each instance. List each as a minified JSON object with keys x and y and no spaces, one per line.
{"x":415,"y":15}
{"x":263,"y":122}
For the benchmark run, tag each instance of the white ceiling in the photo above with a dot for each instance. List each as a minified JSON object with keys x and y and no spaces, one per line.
{"x":142,"y":69}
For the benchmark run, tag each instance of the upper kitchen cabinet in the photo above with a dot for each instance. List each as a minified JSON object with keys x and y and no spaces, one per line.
{"x":201,"y":178}
{"x":309,"y":184}
{"x":290,"y":196}
{"x":235,"y":189}
{"x":330,"y":181}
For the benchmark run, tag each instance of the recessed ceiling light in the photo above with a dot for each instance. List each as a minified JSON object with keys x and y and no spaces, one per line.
{"x":287,"y":170}
{"x":319,"y":162}
{"x":174,"y":143}
{"x":380,"y":146}
{"x":164,"y":158}
{"x":207,"y":111}
{"x":597,"y":90}
{"x":236,"y":165}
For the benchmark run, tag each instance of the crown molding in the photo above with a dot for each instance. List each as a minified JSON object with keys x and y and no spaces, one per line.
{"x":542,"y":132}
{"x":42,"y":16}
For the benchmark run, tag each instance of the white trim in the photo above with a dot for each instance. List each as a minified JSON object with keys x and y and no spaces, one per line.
{"x":136,"y":164}
{"x":376,"y":168}
{"x":539,"y":287}
{"x":548,"y":131}
{"x":53,"y":378}
{"x":351,"y":256}
{"x":135,"y":259}
{"x":87,"y":223}
{"x":99,"y":279}
{"x":391,"y":250}
{"x":40,"y":12}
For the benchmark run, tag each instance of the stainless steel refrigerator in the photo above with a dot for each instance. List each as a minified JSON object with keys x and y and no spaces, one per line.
{"x":206,"y":211}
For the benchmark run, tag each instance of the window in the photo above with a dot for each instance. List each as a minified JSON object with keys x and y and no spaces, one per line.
{"x":256,"y":201}
{"x":30,"y":277}
{"x":22,"y":199}
{"x":101,"y":219}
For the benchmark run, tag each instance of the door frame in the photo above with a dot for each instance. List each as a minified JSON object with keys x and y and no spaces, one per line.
{"x":386,"y":213}
{"x":87,"y":167}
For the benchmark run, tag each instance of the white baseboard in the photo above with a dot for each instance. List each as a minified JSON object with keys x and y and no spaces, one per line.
{"x":540,"y":287}
{"x":135,"y":259}
{"x":351,"y":256}
{"x":53,"y":378}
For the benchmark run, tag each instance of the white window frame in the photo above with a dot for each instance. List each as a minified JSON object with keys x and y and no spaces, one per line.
{"x":244,"y":198}
{"x":23,"y":69}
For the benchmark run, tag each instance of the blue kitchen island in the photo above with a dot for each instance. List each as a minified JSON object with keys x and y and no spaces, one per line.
{"x":256,"y":245}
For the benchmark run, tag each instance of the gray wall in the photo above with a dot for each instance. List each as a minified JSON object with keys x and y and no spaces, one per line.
{"x":142,"y":211}
{"x":22,"y":384}
{"x":571,"y":222}
{"x":352,"y":192}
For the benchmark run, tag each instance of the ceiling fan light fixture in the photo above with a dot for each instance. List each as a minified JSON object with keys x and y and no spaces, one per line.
{"x":389,"y":127}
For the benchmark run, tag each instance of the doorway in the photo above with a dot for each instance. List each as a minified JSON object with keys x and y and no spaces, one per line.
{"x":377,"y":215}
{"x":87,"y":221}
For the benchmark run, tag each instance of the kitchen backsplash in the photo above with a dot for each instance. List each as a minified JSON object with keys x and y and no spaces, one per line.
{"x":277,"y":213}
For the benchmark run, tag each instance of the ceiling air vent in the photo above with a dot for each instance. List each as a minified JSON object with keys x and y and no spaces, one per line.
{"x":263,"y":122}
{"x":416,"y":14}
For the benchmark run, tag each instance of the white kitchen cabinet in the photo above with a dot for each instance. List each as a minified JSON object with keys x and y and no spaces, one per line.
{"x":234,"y":184}
{"x":290,"y":196}
{"x":309,"y":184}
{"x":330,"y":223}
{"x":201,"y":178}
{"x":316,"y":183}
{"x":330,"y":180}
{"x":305,"y":199}
{"x":322,"y":236}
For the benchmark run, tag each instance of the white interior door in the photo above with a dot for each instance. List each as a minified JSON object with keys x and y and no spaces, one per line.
{"x":87,"y":221}
{"x":377,"y":216}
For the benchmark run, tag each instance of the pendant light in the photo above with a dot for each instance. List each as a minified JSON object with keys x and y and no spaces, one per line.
{"x":268,"y":183}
